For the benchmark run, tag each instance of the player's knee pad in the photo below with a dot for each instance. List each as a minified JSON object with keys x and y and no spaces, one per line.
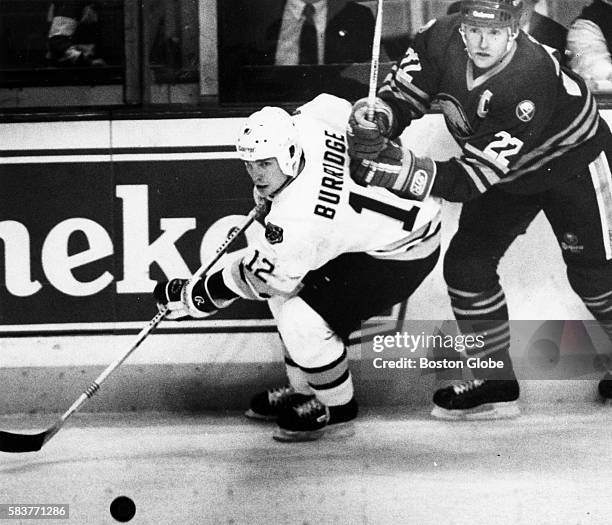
{"x":310,"y":341}
{"x":465,"y":269}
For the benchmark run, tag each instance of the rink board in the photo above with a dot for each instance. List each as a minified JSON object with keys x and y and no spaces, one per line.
{"x":94,"y":212}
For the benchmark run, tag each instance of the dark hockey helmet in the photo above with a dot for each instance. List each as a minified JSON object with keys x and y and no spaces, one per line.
{"x":491,"y":13}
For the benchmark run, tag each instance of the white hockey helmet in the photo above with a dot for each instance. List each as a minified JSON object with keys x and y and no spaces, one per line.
{"x":271,"y":132}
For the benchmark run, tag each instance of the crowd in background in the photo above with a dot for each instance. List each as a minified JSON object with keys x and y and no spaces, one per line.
{"x":261,"y":44}
{"x":267,"y":33}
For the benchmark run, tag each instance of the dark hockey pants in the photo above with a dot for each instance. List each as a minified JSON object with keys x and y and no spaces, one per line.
{"x":580,"y":213}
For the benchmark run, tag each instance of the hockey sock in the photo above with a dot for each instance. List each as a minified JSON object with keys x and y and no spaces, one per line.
{"x":601,"y":308}
{"x":484,"y":315}
{"x":297,"y":378}
{"x":331,"y":383}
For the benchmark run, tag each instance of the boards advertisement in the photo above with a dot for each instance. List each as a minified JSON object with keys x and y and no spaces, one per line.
{"x":86,"y":233}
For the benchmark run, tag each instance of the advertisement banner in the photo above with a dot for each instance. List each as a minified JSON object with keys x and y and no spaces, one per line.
{"x":85,"y":242}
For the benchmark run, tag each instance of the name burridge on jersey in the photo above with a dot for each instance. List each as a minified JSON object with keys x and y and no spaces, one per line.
{"x":334,"y":160}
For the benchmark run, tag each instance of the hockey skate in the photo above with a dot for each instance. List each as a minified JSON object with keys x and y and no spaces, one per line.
{"x":265,"y":406}
{"x":477,"y":399}
{"x":605,"y":388}
{"x":311,"y":419}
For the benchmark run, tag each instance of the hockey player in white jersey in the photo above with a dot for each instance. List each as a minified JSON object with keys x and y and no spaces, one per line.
{"x":332,"y":255}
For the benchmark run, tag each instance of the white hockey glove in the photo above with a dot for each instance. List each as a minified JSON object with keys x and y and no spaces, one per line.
{"x":366,"y":138}
{"x":398,"y":170}
{"x":186,"y":298}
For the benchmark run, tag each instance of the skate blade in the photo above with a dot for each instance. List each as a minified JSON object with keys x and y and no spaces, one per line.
{"x":259,"y":417}
{"x":335,"y":431}
{"x":487,"y":411}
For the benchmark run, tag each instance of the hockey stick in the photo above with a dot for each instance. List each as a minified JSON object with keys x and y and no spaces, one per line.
{"x":11,"y":442}
{"x":375,"y":61}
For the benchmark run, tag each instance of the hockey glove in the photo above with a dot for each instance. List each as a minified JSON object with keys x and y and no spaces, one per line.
{"x":185,"y":298}
{"x":366,"y":139}
{"x":398,"y":170}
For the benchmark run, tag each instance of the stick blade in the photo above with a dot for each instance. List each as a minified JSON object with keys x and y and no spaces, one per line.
{"x":10,"y":442}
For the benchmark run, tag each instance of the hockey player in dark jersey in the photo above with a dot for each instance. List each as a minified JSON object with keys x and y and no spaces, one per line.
{"x":531,"y":139}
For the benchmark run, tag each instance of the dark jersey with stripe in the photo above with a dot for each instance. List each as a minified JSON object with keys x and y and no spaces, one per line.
{"x":516,"y":122}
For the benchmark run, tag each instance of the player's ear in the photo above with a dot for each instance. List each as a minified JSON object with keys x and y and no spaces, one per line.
{"x":513,"y":33}
{"x":462,"y":33}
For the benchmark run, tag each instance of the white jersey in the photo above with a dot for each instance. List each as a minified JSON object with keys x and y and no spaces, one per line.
{"x":322,"y":213}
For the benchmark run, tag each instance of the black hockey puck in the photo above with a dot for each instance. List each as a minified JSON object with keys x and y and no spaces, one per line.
{"x":122,"y":509}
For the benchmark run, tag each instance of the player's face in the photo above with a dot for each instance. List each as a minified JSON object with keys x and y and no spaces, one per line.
{"x":266,"y":175}
{"x":486,"y":46}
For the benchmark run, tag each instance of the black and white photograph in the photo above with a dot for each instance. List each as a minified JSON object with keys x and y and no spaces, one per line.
{"x":311,"y":262}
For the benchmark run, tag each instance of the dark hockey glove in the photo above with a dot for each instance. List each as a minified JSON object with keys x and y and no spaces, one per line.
{"x":398,"y":170}
{"x":185,"y":298}
{"x":367,"y":138}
